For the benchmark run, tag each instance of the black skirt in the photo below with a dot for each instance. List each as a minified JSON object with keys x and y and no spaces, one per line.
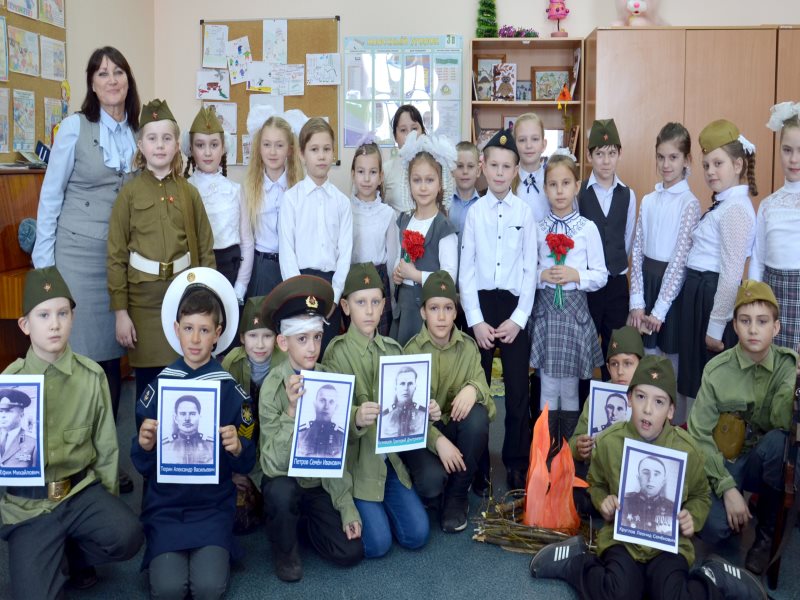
{"x":695,"y":303}
{"x":667,"y":338}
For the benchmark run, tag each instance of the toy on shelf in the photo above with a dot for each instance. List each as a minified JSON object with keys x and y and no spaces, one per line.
{"x":556,"y":11}
{"x":637,"y":13}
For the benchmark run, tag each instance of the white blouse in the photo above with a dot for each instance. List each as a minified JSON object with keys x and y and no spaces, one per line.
{"x":721,"y":243}
{"x":777,"y":226}
{"x":375,"y":236}
{"x":664,"y":233}
{"x":533,"y":193}
{"x":227,"y":213}
{"x":448,"y":249}
{"x":586,"y":257}
{"x":266,"y":225}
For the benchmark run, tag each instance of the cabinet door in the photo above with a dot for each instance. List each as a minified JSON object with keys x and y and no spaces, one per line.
{"x":730,"y":74}
{"x":787,"y":86}
{"x":639,"y":84}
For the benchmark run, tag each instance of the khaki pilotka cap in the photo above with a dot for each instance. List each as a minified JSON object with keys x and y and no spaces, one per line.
{"x":717,"y":134}
{"x":251,"y":315}
{"x":439,"y":285}
{"x":604,"y":133}
{"x":754,"y":291}
{"x":44,"y":284}
{"x":362,"y":276}
{"x":155,"y":110}
{"x":625,"y":340}
{"x":206,"y":121}
{"x":655,"y":370}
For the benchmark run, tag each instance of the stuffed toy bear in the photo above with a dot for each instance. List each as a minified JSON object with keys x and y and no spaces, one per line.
{"x":637,"y":13}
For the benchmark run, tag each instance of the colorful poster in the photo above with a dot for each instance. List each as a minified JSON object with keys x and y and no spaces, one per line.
{"x":239,"y":57}
{"x":275,"y":38}
{"x":52,"y":117}
{"x":23,"y":51}
{"x":52,"y":11}
{"x":323,"y":69}
{"x":447,"y":76}
{"x":213,"y":84}
{"x":214,"y":39}
{"x":54,"y":59}
{"x":5,"y":129}
{"x":3,"y":50}
{"x":245,"y":149}
{"x":26,"y":8}
{"x":21,"y":430}
{"x":278,"y":80}
{"x":24,"y":121}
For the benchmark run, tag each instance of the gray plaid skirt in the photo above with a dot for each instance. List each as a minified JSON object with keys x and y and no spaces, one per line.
{"x":786,"y":285}
{"x":564,"y":339}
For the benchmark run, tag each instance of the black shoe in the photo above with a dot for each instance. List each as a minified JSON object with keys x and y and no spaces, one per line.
{"x":454,"y":515}
{"x":515,"y":479}
{"x":480,"y":485}
{"x":733,"y":582}
{"x":550,"y":561}
{"x":83,"y":579}
{"x":758,"y":556}
{"x":288,"y":566}
{"x":125,"y":482}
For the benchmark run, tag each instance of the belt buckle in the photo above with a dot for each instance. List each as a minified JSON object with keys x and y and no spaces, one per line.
{"x":58,"y":490}
{"x":165,"y":270}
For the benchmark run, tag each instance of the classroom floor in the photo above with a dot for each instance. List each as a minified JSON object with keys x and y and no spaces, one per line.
{"x":450,"y":566}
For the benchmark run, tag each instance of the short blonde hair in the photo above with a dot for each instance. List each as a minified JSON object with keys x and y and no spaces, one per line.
{"x":175,"y":168}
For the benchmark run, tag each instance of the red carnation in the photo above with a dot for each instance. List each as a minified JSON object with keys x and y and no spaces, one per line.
{"x":559,"y":245}
{"x":413,"y":245}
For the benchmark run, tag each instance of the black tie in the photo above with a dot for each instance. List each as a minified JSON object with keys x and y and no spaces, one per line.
{"x":714,"y":204}
{"x":530,"y":182}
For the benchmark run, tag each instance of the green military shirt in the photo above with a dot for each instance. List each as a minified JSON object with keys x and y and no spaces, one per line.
{"x":277,"y":431}
{"x":238,"y":365}
{"x":761,"y":393}
{"x":604,"y":476}
{"x":453,"y":367}
{"x":79,"y":430}
{"x":354,"y":354}
{"x":582,"y":428}
{"x":148,"y":218}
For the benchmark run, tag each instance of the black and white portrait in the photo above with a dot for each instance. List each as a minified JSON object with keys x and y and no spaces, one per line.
{"x":608,"y":405}
{"x":187,"y":444}
{"x":21,"y":405}
{"x":405,"y":392}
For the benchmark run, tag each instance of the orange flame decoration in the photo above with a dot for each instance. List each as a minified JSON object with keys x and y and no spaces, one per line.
{"x":548,"y":495}
{"x":565,"y":97}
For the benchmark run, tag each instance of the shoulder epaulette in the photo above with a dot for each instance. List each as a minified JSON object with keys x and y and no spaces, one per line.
{"x":15,"y":367}
{"x":87,"y":362}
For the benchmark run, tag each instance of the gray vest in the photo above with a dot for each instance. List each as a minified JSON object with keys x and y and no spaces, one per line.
{"x":429,"y":261}
{"x":611,"y":227}
{"x":92,"y":187}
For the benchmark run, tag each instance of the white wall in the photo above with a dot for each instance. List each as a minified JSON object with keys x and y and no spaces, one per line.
{"x":162,"y":38}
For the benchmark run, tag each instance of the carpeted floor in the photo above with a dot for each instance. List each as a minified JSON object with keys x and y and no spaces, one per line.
{"x":450,"y":566}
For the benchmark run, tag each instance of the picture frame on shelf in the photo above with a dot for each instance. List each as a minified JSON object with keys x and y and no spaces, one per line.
{"x":504,"y":84}
{"x":483,"y":138}
{"x":483,"y":68}
{"x":548,"y":81}
{"x":574,"y":138}
{"x":509,"y":120}
{"x":524,"y":91}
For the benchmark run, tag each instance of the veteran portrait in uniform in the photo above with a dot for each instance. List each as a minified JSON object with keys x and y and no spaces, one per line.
{"x":187,"y":445}
{"x":649,"y":508}
{"x":322,"y":435}
{"x":403,"y":417}
{"x":616,"y":411}
{"x":18,"y":447}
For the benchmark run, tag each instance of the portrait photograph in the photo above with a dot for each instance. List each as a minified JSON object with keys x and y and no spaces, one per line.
{"x":320,"y":427}
{"x":651,"y":486}
{"x":21,"y":430}
{"x":404,"y":383}
{"x":608,"y":404}
{"x":188,"y":426}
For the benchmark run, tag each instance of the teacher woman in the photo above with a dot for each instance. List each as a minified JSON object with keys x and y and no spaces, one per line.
{"x":90,"y":161}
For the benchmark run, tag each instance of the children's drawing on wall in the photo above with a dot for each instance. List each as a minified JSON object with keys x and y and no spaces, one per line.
{"x":213,"y":84}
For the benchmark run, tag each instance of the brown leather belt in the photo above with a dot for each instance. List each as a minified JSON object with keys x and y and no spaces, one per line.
{"x":55,"y":490}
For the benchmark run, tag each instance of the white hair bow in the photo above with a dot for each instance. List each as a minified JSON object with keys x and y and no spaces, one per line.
{"x":259,"y":114}
{"x":780,"y":113}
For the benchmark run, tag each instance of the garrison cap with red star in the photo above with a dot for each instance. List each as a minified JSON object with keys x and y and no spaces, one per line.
{"x":251,"y":315}
{"x":604,"y":133}
{"x":657,"y":371}
{"x":44,"y":284}
{"x":439,"y":284}
{"x":362,"y":276}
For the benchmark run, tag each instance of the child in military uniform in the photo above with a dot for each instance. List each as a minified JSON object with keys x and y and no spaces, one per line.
{"x":296,"y":309}
{"x":17,"y":445}
{"x":189,"y":527}
{"x":382,"y":490}
{"x":64,"y":528}
{"x":740,"y":419}
{"x":624,"y":570}
{"x":459,"y":385}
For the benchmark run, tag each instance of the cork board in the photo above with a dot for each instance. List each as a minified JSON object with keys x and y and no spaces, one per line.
{"x":42,"y":88}
{"x":305,"y":36}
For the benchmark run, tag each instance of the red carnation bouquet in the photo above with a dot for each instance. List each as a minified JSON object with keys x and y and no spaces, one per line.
{"x":413,"y":245}
{"x":559,"y":245}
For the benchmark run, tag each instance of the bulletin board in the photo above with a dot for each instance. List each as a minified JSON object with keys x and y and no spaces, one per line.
{"x":43,"y":10}
{"x":304,"y":36}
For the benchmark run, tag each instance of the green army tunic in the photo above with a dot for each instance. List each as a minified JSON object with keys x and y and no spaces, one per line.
{"x":355,"y":354}
{"x":238,"y":365}
{"x":453,"y":368}
{"x":277,"y":431}
{"x":582,"y":428}
{"x":604,"y":475}
{"x":79,"y":430}
{"x":761,"y":393}
{"x":148,"y":218}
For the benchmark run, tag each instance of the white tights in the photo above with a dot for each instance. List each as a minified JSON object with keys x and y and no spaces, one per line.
{"x":565,"y":388}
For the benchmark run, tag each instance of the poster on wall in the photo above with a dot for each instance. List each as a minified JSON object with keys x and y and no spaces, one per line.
{"x":23,"y":51}
{"x":5,"y":131}
{"x":24,"y":121}
{"x":54,"y":59}
{"x":52,"y":11}
{"x":383,"y":73}
{"x":26,"y":8}
{"x":3,"y":50}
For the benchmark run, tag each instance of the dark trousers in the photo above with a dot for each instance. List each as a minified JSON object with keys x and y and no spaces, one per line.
{"x":609,"y":309}
{"x":113,"y":373}
{"x":287,"y":505}
{"x":228,"y":262}
{"x":497,"y":306}
{"x":266,"y":274}
{"x":203,"y":572}
{"x":91,"y":528}
{"x":616,"y":576}
{"x":335,"y":320}
{"x":758,"y":470}
{"x":470,"y":436}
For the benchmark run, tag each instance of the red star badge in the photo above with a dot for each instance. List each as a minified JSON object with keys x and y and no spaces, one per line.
{"x":366,"y":280}
{"x":443,"y":287}
{"x":47,"y":287}
{"x":654,"y":375}
{"x":255,"y":320}
{"x":614,"y":345}
{"x":605,"y":137}
{"x":155,"y":115}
